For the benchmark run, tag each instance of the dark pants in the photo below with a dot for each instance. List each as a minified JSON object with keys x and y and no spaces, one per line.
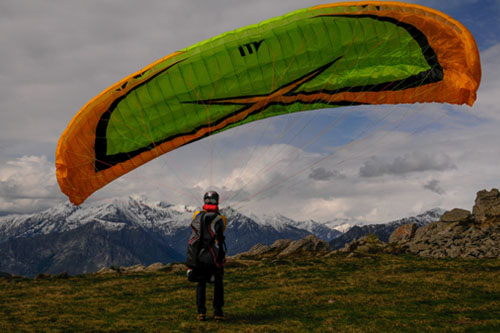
{"x":218,"y":293}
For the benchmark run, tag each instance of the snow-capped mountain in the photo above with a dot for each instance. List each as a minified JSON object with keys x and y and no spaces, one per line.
{"x":284,"y":224}
{"x":92,"y":232}
{"x":341,"y":224}
{"x":114,"y":215}
{"x":384,"y":231}
{"x":132,"y":231}
{"x":344,"y":227}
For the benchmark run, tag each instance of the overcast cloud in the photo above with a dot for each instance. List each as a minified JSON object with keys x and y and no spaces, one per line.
{"x":321,"y":174}
{"x":434,"y":186}
{"x":410,"y":162}
{"x":372,"y":164}
{"x":28,"y":184}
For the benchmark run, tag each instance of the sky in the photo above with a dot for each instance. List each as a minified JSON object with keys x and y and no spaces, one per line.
{"x":364,"y":163}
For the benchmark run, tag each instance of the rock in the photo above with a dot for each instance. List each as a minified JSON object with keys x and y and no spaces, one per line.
{"x":425,"y":253}
{"x":456,"y":215}
{"x":417,"y":247}
{"x":364,"y":245}
{"x":487,"y":206}
{"x":157,"y":266}
{"x":493,"y":253}
{"x":454,"y":252}
{"x":310,"y":244}
{"x":107,"y":270}
{"x":174,"y":267}
{"x":403,"y":233}
{"x":133,"y":269}
{"x":258,"y":249}
{"x":459,"y":233}
{"x":280,"y":245}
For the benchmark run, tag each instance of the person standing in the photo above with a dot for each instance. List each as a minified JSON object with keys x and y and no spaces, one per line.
{"x":206,"y":255}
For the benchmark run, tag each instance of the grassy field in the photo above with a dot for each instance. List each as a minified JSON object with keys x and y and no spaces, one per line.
{"x":379,"y":293}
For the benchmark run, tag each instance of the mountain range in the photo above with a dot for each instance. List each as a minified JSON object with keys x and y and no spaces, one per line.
{"x":384,"y":231}
{"x":131,"y":231}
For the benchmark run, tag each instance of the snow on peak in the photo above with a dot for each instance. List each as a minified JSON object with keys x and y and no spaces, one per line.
{"x":276,"y":221}
{"x":113,"y":214}
{"x":184,"y":208}
{"x":343,"y":228}
{"x":139,"y":212}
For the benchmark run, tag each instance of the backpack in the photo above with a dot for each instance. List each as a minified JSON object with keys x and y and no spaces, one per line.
{"x":206,"y":245}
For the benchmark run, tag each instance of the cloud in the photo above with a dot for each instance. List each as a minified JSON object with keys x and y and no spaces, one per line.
{"x":410,"y":162}
{"x":28,"y":184}
{"x":487,"y":98}
{"x":321,"y":174}
{"x":434,"y":186}
{"x":331,"y":209}
{"x":66,"y":53}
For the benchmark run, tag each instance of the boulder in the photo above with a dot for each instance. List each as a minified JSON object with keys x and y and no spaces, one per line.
{"x":456,"y":215}
{"x":280,"y":245}
{"x":367,"y":244}
{"x":107,"y":270}
{"x":133,"y":269}
{"x":157,"y":266}
{"x":307,"y":245}
{"x":310,"y":245}
{"x":260,"y":250}
{"x":487,"y":206}
{"x":403,"y":233}
{"x":174,"y":267}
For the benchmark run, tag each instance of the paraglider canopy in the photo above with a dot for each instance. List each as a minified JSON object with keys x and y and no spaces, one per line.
{"x":325,"y":56}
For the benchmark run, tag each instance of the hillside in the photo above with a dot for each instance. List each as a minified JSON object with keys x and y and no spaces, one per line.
{"x":376,"y":293}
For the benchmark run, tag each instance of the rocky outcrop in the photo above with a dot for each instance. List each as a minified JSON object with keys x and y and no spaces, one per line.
{"x":369,"y":244}
{"x":458,"y":233}
{"x":487,"y":207}
{"x":155,"y":267}
{"x":384,"y":231}
{"x":307,"y":246}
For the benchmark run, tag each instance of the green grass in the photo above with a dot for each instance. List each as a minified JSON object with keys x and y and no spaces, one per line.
{"x":379,"y":293}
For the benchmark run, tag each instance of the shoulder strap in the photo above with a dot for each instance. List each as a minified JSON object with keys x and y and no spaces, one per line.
{"x":200,"y":242}
{"x":213,"y":224}
{"x":224,"y":221}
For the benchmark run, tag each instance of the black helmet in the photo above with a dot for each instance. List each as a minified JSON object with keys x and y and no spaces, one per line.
{"x":211,"y":197}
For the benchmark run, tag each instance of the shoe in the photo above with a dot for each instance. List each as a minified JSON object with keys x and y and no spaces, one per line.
{"x":220,"y":318}
{"x":201,"y":317}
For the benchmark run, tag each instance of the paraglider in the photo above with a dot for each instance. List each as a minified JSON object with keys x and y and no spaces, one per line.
{"x":321,"y":57}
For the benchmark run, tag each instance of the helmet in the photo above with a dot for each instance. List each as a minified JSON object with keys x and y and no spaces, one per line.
{"x":211,"y":197}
